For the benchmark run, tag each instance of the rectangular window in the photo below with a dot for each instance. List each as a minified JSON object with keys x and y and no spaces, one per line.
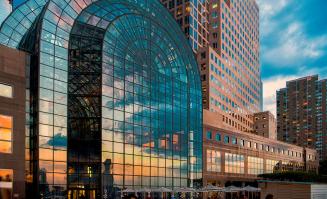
{"x":209,"y":135}
{"x":6,"y":90}
{"x":255,"y":165}
{"x":226,"y":139}
{"x":271,"y":166}
{"x":242,"y":142}
{"x":234,"y":140}
{"x":6,"y":183}
{"x":234,"y":163}
{"x":218,"y":137}
{"x":5,"y":134}
{"x":213,"y":161}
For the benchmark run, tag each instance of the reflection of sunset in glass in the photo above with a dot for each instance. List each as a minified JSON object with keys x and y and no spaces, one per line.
{"x":5,"y":134}
{"x":5,"y":121}
{"x":118,"y":85}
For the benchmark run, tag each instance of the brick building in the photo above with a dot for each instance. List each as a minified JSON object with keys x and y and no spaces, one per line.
{"x":12,"y":122}
{"x":301,"y":113}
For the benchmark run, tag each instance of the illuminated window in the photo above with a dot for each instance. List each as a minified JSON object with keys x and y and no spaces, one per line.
{"x":271,"y":166}
{"x":213,"y":161}
{"x":255,"y":165}
{"x":6,"y":90}
{"x":6,"y":179}
{"x":234,"y":163}
{"x":5,"y":134}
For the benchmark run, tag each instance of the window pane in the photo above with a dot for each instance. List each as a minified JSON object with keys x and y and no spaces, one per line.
{"x":5,"y":134}
{"x":5,"y":121}
{"x":5,"y":147}
{"x":5,"y":90}
{"x":6,"y":179}
{"x":6,"y":175}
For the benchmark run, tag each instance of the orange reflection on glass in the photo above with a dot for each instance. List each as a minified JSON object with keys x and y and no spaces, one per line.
{"x":45,"y":154}
{"x":60,"y":155}
{"x":5,"y":121}
{"x":5,"y":134}
{"x":6,"y":175}
{"x":5,"y":147}
{"x":60,"y":178}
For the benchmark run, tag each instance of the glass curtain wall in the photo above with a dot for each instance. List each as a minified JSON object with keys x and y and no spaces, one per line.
{"x":143,"y":120}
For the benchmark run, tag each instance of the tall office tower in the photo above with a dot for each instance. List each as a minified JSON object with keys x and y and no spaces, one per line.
{"x":192,"y":16}
{"x":5,"y":9}
{"x":301,"y":113}
{"x":114,"y":98}
{"x":230,"y":67}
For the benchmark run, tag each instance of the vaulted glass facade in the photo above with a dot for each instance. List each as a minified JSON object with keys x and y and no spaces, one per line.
{"x":114,"y":98}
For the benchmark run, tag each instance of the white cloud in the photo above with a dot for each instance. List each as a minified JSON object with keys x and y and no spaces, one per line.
{"x":293,"y":47}
{"x":270,"y":86}
{"x":269,"y":9}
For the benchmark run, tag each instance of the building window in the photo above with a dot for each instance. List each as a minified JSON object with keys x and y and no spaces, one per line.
{"x":234,"y":163}
{"x":234,"y":140}
{"x":248,"y":144}
{"x":242,"y":142}
{"x":255,"y":165}
{"x":218,"y":137}
{"x":5,"y":134}
{"x":6,"y":183}
{"x":213,"y":161}
{"x":271,"y":166}
{"x":226,"y":139}
{"x":209,"y":135}
{"x":6,"y":90}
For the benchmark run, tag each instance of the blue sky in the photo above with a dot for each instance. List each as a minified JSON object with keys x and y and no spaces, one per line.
{"x":293,"y":42}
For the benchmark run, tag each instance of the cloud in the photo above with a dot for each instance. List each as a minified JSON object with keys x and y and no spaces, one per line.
{"x":294,"y":47}
{"x":270,"y":86}
{"x":268,"y":10}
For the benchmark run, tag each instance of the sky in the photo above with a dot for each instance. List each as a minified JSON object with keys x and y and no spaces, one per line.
{"x":293,"y":43}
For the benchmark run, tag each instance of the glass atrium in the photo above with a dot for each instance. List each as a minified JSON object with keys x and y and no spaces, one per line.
{"x":114,"y":97}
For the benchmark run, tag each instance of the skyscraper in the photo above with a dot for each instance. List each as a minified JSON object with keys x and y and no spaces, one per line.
{"x":5,"y":9}
{"x":301,"y":113}
{"x":230,"y":66}
{"x":234,"y":36}
{"x":114,"y":97}
{"x":229,"y":60}
{"x":192,"y":16}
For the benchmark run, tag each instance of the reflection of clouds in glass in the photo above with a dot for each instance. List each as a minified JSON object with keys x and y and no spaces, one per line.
{"x":5,"y":9}
{"x":58,"y":140}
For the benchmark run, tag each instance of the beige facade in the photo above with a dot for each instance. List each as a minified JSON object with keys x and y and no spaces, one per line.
{"x":193,"y":17}
{"x":234,"y":35}
{"x":221,"y":92}
{"x":236,"y":156}
{"x":265,"y":125}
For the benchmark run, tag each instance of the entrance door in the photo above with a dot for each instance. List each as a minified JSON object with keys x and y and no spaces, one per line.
{"x":81,"y":194}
